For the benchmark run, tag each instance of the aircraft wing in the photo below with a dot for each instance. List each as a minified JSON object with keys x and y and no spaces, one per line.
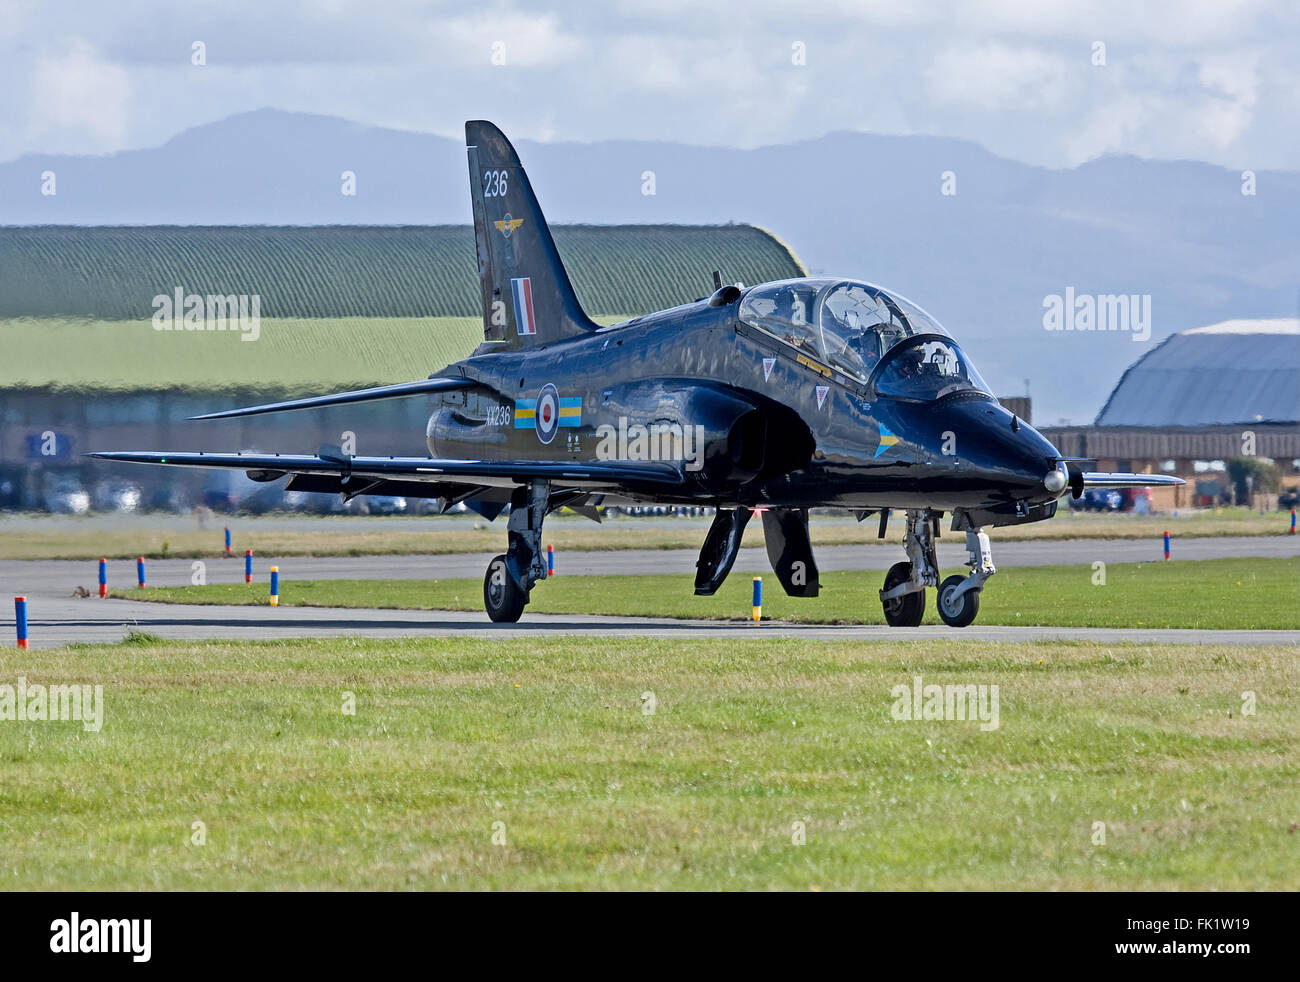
{"x":347,"y":398}
{"x":432,"y":470}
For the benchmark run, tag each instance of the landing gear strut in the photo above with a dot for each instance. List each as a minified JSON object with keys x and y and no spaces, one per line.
{"x":509,"y":579}
{"x":959,"y":596}
{"x":903,"y":596}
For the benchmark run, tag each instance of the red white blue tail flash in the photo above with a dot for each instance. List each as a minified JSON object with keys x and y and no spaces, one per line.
{"x":523,"y":291}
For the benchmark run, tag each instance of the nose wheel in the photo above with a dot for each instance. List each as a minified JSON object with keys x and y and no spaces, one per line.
{"x":959,"y":596}
{"x":957,"y":607}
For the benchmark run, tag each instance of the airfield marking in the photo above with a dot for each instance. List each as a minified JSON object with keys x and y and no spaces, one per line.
{"x":58,"y":618}
{"x":60,"y":621}
{"x":59,"y":577}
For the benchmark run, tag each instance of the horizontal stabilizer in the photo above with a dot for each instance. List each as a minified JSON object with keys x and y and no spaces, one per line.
{"x":345,"y":398}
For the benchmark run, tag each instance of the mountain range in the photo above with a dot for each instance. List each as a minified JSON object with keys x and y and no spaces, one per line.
{"x":986,"y":259}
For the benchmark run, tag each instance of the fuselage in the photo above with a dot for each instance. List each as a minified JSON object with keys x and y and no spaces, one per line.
{"x":674,"y":385}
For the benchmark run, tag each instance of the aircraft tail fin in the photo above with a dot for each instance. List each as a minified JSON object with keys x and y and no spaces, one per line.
{"x":527,"y":297}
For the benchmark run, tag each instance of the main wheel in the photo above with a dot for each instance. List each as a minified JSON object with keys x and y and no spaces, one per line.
{"x":957,"y":611}
{"x":502,"y":598}
{"x":907,"y":610}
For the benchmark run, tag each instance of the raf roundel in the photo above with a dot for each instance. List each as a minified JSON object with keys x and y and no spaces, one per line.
{"x":548,"y":413}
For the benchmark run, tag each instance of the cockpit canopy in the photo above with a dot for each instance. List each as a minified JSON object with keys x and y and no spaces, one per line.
{"x":851,"y":326}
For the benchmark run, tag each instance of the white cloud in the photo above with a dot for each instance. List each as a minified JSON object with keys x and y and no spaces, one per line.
{"x":530,"y":41}
{"x":996,"y":76}
{"x":1232,"y":85}
{"x":78,"y":97}
{"x":1111,"y":127}
{"x":1207,"y":79}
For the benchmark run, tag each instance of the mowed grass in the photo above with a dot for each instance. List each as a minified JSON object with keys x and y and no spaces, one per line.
{"x":74,"y":538}
{"x":1203,"y":594}
{"x":551,"y":739}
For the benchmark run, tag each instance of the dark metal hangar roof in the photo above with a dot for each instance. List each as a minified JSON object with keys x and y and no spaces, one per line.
{"x":1240,"y":371}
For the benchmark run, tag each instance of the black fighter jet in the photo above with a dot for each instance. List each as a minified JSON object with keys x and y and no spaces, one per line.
{"x":774,"y":398}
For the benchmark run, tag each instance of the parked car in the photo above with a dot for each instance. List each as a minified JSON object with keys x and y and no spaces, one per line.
{"x":386,"y":504}
{"x":320,"y":503}
{"x":423,"y":506}
{"x":11,"y":489}
{"x":115,"y":496}
{"x":168,"y":498}
{"x":66,"y":496}
{"x":1098,"y":499}
{"x":273,"y":497}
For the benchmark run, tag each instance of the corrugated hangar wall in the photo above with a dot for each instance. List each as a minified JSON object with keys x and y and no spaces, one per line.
{"x":343,"y":307}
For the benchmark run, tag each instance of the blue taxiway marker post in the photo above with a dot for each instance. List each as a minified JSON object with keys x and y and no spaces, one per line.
{"x":20,"y":620}
{"x":275,"y":586}
{"x":227,"y":540}
{"x":1166,"y":546}
{"x":139,"y":571}
{"x":758,"y":598}
{"x":248,"y":566}
{"x":550,"y":560}
{"x":1292,"y":521}
{"x":103,"y":578}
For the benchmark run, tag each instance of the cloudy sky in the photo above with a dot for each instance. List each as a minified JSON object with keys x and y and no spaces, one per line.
{"x":1213,"y":80}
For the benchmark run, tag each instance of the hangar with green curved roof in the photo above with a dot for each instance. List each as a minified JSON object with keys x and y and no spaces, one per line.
{"x":338,"y":307}
{"x":338,"y":304}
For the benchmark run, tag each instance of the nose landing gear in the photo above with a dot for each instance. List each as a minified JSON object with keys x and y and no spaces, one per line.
{"x":959,"y":596}
{"x":958,"y":601}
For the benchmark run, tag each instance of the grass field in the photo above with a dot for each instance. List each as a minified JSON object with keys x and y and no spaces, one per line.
{"x":552,"y":740}
{"x":24,"y":537}
{"x":1206,"y":594}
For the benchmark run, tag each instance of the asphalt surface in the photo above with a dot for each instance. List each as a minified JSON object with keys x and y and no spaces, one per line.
{"x":59,"y":577}
{"x":62,"y":621}
{"x":57,"y":617}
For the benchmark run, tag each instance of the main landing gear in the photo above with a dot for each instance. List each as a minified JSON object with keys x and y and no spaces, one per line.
{"x":903,"y":595}
{"x":509,"y":579}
